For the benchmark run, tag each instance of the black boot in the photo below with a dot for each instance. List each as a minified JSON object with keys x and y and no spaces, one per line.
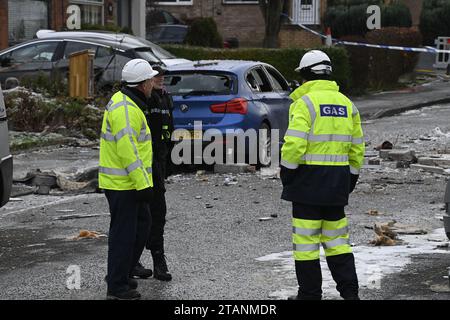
{"x":161,"y":272}
{"x":126,"y":295}
{"x":133,"y":284}
{"x":141,"y":272}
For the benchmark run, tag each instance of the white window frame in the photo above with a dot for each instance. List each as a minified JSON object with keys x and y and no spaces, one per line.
{"x":176,"y":3}
{"x":240,"y":2}
{"x":99,"y":3}
{"x":315,"y":18}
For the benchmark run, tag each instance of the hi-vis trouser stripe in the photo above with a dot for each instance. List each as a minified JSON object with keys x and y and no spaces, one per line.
{"x":311,"y":137}
{"x":309,"y":234}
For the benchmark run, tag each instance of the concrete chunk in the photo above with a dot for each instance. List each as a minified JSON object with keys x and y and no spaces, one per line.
{"x":384,"y":154}
{"x":438,"y":160}
{"x":402,"y":155}
{"x":431,"y":169}
{"x":231,"y":168}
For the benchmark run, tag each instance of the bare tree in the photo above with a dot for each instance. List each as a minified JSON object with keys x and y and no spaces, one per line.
{"x":272,"y":11}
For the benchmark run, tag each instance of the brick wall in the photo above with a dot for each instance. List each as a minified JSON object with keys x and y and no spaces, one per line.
{"x":3,"y":24}
{"x":244,"y":22}
{"x":295,"y":37}
{"x":58,"y":14}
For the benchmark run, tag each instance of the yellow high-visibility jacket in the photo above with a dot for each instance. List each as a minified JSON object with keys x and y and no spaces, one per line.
{"x":125,"y":147}
{"x":323,"y":145}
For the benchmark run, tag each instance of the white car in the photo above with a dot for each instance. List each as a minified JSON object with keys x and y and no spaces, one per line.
{"x":6,"y":161}
{"x":160,"y":53}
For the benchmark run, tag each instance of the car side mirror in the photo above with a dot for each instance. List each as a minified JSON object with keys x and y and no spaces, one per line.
{"x":294,"y":84}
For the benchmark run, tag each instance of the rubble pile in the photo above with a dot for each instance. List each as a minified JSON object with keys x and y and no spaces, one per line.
{"x":42,"y":183}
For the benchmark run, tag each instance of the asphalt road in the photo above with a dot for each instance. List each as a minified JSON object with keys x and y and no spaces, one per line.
{"x":216,"y":246}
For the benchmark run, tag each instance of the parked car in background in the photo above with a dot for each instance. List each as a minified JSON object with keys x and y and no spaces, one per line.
{"x":167,"y":33}
{"x":6,"y":161}
{"x":157,"y":16}
{"x":49,"y":55}
{"x":232,"y":95}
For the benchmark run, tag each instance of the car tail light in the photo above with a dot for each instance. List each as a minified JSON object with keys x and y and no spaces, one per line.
{"x":238,"y":105}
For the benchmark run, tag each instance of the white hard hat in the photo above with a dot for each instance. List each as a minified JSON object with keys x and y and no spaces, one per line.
{"x":137,"y":70}
{"x":315,"y":61}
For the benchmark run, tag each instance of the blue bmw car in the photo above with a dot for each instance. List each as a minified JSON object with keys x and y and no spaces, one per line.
{"x":230,"y":95}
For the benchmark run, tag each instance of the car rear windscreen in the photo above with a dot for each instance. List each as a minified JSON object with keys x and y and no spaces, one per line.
{"x":199,"y":84}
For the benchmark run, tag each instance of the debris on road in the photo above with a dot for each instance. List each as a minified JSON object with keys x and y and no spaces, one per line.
{"x":430,"y":169}
{"x":84,"y":182}
{"x":439,"y":160}
{"x":230,"y":181}
{"x":402,"y":155}
{"x":270,"y":173}
{"x":81,"y":216}
{"x":265,"y":218}
{"x":374,"y":213}
{"x":387,"y":145}
{"x":231,"y":168}
{"x":15,"y":199}
{"x":86,"y":234}
{"x":385,"y":235}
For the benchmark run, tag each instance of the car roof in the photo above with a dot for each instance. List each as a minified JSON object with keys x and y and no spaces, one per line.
{"x":117,"y":40}
{"x":234,"y":66}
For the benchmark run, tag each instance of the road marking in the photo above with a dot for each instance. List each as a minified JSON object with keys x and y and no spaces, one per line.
{"x":48,"y":204}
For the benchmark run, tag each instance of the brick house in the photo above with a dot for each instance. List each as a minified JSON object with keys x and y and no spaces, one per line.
{"x":20,"y":19}
{"x":243,"y":19}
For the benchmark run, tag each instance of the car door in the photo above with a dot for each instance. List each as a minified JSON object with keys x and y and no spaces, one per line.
{"x":283,"y":101}
{"x":268,"y":101}
{"x":29,"y":60}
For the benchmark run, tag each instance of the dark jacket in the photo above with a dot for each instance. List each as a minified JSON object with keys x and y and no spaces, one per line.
{"x":159,"y":114}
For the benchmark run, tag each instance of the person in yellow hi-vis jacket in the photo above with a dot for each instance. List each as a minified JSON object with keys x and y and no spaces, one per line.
{"x":321,"y":158}
{"x":125,"y":173}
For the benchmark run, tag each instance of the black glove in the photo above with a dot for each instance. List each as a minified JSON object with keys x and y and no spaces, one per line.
{"x":144,"y":195}
{"x":353,"y":180}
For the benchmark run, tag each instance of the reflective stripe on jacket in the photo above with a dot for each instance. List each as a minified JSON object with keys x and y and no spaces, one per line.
{"x":324,"y":143}
{"x":125,"y":147}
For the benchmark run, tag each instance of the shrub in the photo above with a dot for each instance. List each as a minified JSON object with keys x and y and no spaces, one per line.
{"x":54,"y":85}
{"x":29,"y":111}
{"x":285,"y":60}
{"x":386,"y":66}
{"x":203,"y":32}
{"x":359,"y":64}
{"x":350,"y":17}
{"x":434,"y":21}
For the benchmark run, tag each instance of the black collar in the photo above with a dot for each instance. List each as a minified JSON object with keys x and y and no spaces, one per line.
{"x":136,"y":95}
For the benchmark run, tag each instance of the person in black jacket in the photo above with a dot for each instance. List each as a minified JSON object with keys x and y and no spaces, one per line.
{"x":159,"y":118}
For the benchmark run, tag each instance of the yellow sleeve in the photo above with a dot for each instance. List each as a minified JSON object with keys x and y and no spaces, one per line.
{"x":296,"y":137}
{"x":357,"y":150}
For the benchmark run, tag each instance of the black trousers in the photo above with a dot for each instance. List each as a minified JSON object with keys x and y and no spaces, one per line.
{"x":342,"y":267}
{"x":128,"y":232}
{"x":158,"y":209}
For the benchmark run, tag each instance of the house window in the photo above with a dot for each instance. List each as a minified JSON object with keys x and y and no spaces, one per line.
{"x":306,"y":12}
{"x":240,"y":1}
{"x":91,"y":11}
{"x":25,"y":17}
{"x":175,"y":2}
